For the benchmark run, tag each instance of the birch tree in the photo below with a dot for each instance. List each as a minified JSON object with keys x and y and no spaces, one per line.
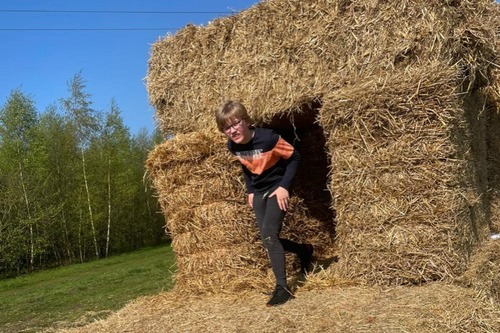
{"x":62,"y":165}
{"x":78,"y":107}
{"x":116,"y":145}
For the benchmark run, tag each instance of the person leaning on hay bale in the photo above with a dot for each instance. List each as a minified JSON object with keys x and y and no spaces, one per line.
{"x":269,"y":164}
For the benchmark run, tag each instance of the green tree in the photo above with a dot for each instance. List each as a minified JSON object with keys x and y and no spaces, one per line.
{"x":60,"y":143}
{"x":116,"y":147}
{"x":18,"y":120}
{"x":150,"y":211}
{"x":71,"y":189}
{"x":85,"y":121}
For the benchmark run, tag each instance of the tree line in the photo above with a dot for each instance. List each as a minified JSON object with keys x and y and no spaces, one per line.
{"x":72,"y":183}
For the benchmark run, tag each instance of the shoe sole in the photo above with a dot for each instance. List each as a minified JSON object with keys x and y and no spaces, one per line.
{"x":281,"y":303}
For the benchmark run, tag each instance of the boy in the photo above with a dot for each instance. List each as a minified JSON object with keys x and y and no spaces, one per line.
{"x":269,"y":164}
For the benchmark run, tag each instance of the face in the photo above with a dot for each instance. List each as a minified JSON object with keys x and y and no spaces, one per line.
{"x":238,"y":131}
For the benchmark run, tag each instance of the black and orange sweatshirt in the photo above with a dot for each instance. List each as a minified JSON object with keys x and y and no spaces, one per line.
{"x":268,"y":161}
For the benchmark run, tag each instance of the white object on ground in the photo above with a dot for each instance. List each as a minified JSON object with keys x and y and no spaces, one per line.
{"x":495,"y":236}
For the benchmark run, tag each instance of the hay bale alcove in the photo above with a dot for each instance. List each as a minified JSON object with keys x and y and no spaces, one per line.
{"x":394,"y":106}
{"x":302,"y":129}
{"x":310,"y":195}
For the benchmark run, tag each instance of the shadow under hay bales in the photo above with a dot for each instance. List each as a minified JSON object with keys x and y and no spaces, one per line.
{"x":492,"y":107}
{"x":476,"y":118}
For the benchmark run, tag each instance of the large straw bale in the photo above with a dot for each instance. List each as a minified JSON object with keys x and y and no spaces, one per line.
{"x":231,"y":268}
{"x":401,"y":95}
{"x":182,"y":166}
{"x":218,"y":224}
{"x":400,"y":181}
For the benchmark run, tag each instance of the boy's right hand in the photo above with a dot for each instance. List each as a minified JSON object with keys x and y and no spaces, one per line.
{"x":250,"y":199}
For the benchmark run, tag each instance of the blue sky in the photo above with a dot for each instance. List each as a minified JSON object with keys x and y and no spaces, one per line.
{"x":41,"y":50}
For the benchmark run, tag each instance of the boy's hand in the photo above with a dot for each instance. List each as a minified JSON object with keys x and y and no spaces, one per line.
{"x":282,"y":196}
{"x":250,"y":199}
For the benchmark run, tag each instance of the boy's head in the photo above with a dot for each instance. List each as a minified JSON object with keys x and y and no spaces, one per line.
{"x":229,"y":113}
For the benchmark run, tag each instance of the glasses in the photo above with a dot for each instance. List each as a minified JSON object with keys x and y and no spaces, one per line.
{"x":228,"y":127}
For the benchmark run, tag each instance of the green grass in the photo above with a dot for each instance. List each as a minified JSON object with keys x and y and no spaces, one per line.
{"x":82,"y":292}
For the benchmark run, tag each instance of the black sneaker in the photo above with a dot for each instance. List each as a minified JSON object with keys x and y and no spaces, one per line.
{"x":280,"y":295}
{"x":306,"y":258}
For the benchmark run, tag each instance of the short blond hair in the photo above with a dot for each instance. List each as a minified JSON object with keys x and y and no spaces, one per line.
{"x":231,"y":109}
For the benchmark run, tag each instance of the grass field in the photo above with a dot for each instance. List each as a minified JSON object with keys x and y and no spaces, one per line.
{"x":83,"y":292}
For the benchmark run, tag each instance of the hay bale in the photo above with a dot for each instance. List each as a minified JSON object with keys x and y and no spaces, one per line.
{"x":396,"y":164}
{"x":280,"y":54}
{"x":394,"y":105}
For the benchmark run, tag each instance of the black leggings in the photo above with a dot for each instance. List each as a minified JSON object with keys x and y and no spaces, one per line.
{"x":269,"y":221}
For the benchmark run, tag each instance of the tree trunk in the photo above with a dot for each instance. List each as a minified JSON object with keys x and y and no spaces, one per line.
{"x":109,"y":206}
{"x":28,"y":211}
{"x":67,"y":245}
{"x":91,"y":216}
{"x":80,"y":247}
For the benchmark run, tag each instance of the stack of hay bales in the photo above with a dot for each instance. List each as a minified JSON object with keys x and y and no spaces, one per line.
{"x":397,"y":99}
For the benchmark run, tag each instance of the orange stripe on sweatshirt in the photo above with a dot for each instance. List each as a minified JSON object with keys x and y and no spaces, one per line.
{"x":258,"y":161}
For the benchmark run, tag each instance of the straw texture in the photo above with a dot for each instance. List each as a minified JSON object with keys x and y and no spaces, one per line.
{"x":433,"y":308}
{"x":394,"y":106}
